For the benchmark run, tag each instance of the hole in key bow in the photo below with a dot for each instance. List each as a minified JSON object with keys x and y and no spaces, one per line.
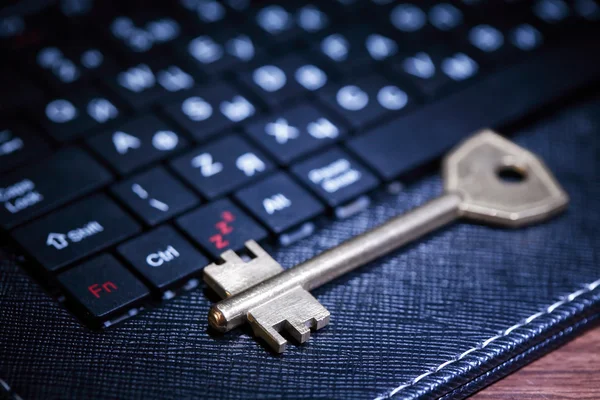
{"x":512,"y":173}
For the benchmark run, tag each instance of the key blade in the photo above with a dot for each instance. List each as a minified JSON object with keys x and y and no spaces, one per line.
{"x":501,"y":182}
{"x":295,"y":311}
{"x":235,"y":275}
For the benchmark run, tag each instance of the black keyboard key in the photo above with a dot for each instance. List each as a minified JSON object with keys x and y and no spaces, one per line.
{"x":294,"y":133}
{"x":36,"y":189}
{"x":64,"y":65}
{"x":336,"y":178}
{"x":102,"y":288}
{"x":337,"y":50}
{"x":552,"y":13}
{"x":367,"y":100}
{"x":155,"y":195}
{"x":207,"y":111}
{"x":277,"y":23}
{"x":489,"y":44}
{"x":137,"y":143}
{"x":143,"y":36}
{"x":350,"y":51}
{"x":459,"y":67}
{"x":222,"y":166}
{"x":289,"y":22}
{"x":313,"y":20}
{"x":18,"y":145}
{"x":163,"y":257}
{"x":74,"y":232}
{"x":423,"y":69}
{"x":409,"y":23}
{"x":435,"y":70}
{"x":140,"y":85}
{"x":445,"y":17}
{"x":221,"y":226}
{"x":67,"y":118}
{"x":277,"y":82}
{"x":407,"y":142}
{"x":280,"y":203}
{"x":214,"y":54}
{"x":526,"y":37}
{"x":310,"y":77}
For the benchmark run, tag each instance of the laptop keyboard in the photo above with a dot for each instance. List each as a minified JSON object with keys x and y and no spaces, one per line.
{"x":139,"y":143}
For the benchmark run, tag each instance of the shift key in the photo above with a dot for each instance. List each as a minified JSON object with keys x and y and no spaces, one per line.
{"x":36,"y":189}
{"x":74,"y":232}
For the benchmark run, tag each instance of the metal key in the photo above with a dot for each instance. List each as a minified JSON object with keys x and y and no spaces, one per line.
{"x":476,"y":186}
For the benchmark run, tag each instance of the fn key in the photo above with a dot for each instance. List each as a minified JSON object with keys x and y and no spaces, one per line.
{"x":103,"y":289}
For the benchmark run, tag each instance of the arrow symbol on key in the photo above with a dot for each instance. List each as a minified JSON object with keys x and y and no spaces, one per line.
{"x":58,"y":240}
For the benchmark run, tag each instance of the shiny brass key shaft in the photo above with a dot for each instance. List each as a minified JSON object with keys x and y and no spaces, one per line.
{"x":339,"y":260}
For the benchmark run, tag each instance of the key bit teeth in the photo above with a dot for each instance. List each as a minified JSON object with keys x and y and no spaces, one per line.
{"x":270,"y":335}
{"x":234,"y":275}
{"x":299,"y":331}
{"x":296,"y":311}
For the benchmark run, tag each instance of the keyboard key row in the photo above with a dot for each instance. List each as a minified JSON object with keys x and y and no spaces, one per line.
{"x":408,"y":142}
{"x":390,"y":152}
{"x":277,"y":202}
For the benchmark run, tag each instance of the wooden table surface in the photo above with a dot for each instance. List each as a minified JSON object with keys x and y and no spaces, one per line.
{"x":570,"y":372}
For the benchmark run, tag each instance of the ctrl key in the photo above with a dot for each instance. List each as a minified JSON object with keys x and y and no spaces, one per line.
{"x":103,"y":290}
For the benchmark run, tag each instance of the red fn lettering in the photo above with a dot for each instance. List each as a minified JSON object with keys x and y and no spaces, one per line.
{"x":109,"y":285}
{"x":96,"y":289}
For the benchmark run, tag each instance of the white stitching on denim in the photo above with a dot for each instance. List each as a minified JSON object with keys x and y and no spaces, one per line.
{"x":588,"y":288}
